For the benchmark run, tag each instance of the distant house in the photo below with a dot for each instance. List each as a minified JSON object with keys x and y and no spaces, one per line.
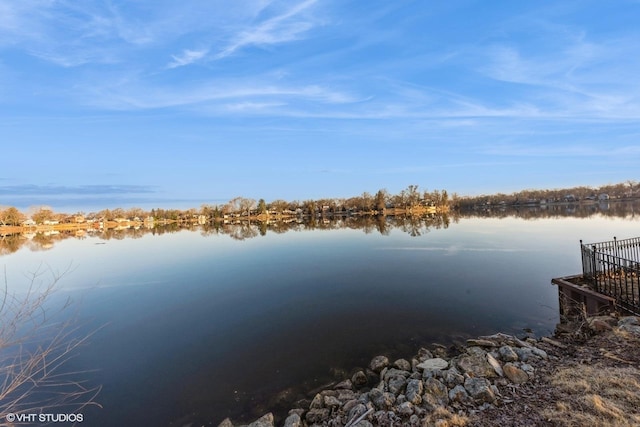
{"x":570,"y":198}
{"x":29,"y":223}
{"x":603,"y":197}
{"x":79,"y":219}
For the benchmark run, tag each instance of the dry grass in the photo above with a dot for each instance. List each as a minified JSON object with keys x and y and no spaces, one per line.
{"x":597,"y":396}
{"x":442,"y":417}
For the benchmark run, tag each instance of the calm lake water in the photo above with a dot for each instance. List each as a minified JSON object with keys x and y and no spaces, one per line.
{"x":201,"y":327}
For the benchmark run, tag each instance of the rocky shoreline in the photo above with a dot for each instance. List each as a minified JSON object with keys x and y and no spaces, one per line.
{"x":439,"y":386}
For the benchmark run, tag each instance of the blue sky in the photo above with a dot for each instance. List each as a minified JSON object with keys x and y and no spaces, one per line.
{"x":165,"y":103}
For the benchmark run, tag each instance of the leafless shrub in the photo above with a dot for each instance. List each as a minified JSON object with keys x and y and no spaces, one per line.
{"x":37,"y":338}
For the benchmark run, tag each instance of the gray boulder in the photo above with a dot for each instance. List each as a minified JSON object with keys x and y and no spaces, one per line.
{"x":264,"y":421}
{"x":438,"y":390}
{"x":476,"y":366}
{"x":458,"y":394}
{"x":378,"y":363}
{"x":359,"y":379}
{"x":507,"y":354}
{"x":293,"y":420}
{"x":480,"y":390}
{"x":381,"y":400}
{"x":414,"y":391}
{"x":433,"y":364}
{"x":402,"y":364}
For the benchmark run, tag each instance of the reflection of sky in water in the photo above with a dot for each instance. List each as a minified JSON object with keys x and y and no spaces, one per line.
{"x":188,"y":319}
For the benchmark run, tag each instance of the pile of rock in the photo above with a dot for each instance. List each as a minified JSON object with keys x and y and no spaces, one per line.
{"x":410,"y":392}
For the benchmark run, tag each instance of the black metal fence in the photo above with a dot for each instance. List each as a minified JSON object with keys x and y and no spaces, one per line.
{"x":613,"y":269}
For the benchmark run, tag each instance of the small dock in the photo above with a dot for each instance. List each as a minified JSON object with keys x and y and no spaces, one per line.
{"x":575,"y":296}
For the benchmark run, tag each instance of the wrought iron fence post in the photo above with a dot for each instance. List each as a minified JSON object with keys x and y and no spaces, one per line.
{"x":584,"y":269}
{"x":594,"y":268}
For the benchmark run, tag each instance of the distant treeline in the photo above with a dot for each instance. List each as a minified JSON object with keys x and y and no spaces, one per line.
{"x":410,"y":200}
{"x":382,"y":203}
{"x":627,"y":190}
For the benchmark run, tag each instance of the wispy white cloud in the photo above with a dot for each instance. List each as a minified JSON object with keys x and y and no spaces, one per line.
{"x":245,"y":107}
{"x":279,"y":29}
{"x":576,"y":76}
{"x":66,"y":33}
{"x":70,"y":33}
{"x":217,"y":95}
{"x":571,"y":80}
{"x":284,"y":27}
{"x":187,"y":57}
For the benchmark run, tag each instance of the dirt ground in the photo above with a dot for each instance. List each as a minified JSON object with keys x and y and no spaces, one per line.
{"x":590,"y":379}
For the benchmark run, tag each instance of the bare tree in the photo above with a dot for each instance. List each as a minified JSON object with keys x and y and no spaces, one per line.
{"x":41,"y":214}
{"x":278,"y":205}
{"x":11,"y":216}
{"x":36,"y":341}
{"x":246,"y":205}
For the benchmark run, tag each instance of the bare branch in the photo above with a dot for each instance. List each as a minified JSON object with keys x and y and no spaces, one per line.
{"x":37,"y":339}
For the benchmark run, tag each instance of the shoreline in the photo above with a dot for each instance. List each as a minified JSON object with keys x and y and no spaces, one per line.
{"x":127,"y":223}
{"x":489,"y":381}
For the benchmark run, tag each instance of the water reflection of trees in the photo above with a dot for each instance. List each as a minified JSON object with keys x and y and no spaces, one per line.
{"x":243,"y":230}
{"x":239,"y":230}
{"x":627,"y":210}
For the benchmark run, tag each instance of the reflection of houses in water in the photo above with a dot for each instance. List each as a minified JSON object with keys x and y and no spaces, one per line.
{"x":148,"y":222}
{"x":413,"y":225}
